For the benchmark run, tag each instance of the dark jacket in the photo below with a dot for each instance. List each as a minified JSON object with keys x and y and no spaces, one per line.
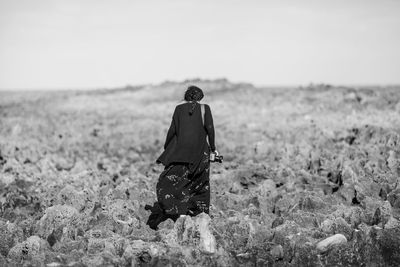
{"x":187,"y":136}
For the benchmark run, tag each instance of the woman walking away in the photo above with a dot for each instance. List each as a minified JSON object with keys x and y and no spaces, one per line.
{"x":183,"y":187}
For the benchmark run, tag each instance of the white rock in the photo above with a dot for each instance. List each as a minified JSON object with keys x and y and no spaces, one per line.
{"x":277,"y":252}
{"x":235,"y":188}
{"x":331,"y":241}
{"x":7,"y":179}
{"x":262,"y":148}
{"x":32,"y":248}
{"x":392,"y":223}
{"x":268,"y":189}
{"x":53,"y":264}
{"x":55,"y":217}
{"x":191,"y":231}
{"x":327,"y":225}
{"x":207,"y":239}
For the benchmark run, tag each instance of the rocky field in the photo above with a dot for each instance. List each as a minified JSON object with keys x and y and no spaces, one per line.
{"x":310,"y":178}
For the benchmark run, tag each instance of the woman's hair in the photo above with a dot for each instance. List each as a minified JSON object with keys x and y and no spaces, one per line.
{"x":193,"y":94}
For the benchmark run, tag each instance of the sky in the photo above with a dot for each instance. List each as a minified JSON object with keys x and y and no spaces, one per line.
{"x":61,"y":44}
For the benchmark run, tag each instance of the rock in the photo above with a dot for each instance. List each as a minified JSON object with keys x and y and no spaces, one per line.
{"x":331,"y":241}
{"x":124,"y":218}
{"x":305,"y":219}
{"x":243,"y":257}
{"x":261,"y":238}
{"x":69,"y":196}
{"x":397,"y":107}
{"x":10,"y":234}
{"x":357,"y":253}
{"x":383,"y":193}
{"x":207,"y":239}
{"x":305,"y":256}
{"x":392,"y":223}
{"x":67,"y":246}
{"x":311,"y":203}
{"x":286,"y":204}
{"x":342,"y":227}
{"x":381,"y":216}
{"x":166,"y":225}
{"x":235,"y":188}
{"x":7,"y":179}
{"x":262,"y":148}
{"x":267,"y":195}
{"x":290,"y":186}
{"x":252,"y":211}
{"x":229,"y":201}
{"x":348,"y":193}
{"x":80,"y":200}
{"x":194,"y":232}
{"x":287,"y":228}
{"x":55,"y":219}
{"x":327,"y":226}
{"x":63,"y":163}
{"x":389,"y":243}
{"x":353,"y":215}
{"x":3,"y":261}
{"x":267,"y":189}
{"x":133,"y":251}
{"x":371,"y":210}
{"x":393,"y":162}
{"x":144,"y":233}
{"x":278,"y":221}
{"x":33,"y":249}
{"x":394,"y":200}
{"x":337,"y":226}
{"x":314,"y":165}
{"x":139,"y":253}
{"x":277,"y":252}
{"x":95,"y":245}
{"x":236,"y":233}
{"x":101,"y":233}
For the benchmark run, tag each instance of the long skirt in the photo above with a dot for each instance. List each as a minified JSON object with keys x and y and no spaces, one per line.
{"x":182,"y":189}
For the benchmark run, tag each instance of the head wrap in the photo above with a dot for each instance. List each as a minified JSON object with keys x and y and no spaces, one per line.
{"x":193,"y":94}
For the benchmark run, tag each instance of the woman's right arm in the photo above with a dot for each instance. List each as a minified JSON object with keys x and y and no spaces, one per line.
{"x":171,"y":130}
{"x":209,"y":125}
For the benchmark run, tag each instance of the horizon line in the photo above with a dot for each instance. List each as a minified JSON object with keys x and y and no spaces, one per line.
{"x":127,"y":85}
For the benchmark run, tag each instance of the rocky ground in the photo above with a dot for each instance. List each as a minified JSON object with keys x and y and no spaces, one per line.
{"x":310,"y":178}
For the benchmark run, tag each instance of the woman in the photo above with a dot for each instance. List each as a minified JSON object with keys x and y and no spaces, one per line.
{"x":184,"y":186}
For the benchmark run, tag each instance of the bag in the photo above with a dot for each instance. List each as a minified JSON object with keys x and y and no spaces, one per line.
{"x":213,"y":156}
{"x":203,"y":119}
{"x":202,"y":113}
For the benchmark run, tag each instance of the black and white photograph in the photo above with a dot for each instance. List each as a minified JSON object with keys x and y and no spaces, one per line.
{"x":219,"y":133}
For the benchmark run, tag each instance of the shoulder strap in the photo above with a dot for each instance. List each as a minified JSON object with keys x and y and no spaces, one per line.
{"x":202,"y":113}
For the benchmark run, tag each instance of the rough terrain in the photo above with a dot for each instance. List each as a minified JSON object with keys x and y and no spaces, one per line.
{"x":310,"y":178}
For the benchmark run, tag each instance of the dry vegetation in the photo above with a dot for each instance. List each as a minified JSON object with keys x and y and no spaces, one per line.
{"x":302,"y":164}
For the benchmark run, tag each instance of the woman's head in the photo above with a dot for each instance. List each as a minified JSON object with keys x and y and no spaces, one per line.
{"x":193,"y":93}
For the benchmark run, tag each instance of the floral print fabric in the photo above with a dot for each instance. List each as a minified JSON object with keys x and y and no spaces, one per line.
{"x":185,"y":189}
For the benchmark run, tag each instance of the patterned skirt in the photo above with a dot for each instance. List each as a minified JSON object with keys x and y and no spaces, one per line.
{"x":185,"y":189}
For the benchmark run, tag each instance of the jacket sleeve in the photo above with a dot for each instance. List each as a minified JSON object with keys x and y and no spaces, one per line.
{"x":209,"y":125}
{"x":172,"y":128}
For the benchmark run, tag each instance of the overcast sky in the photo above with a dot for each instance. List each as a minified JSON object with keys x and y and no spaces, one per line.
{"x":106,"y":43}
